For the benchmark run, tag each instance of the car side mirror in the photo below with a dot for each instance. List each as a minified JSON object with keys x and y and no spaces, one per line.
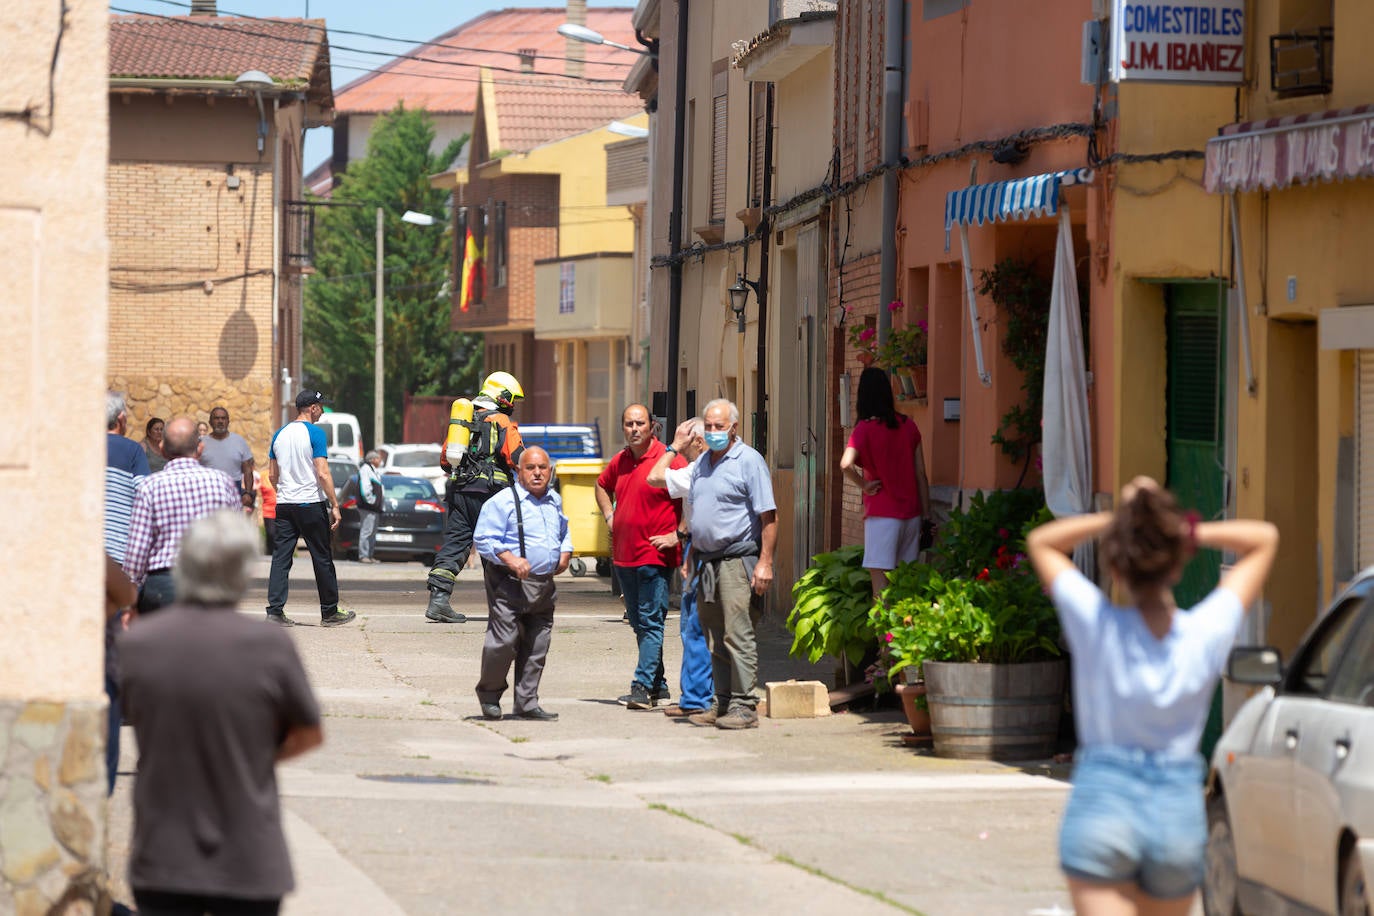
{"x":1261,"y":665}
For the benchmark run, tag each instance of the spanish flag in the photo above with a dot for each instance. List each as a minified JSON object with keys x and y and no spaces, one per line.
{"x":473,"y":285}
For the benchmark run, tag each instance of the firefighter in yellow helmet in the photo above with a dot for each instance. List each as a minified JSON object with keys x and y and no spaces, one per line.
{"x":480,"y":454}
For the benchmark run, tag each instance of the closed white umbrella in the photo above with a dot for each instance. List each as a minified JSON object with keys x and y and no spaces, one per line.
{"x":1066,"y":449}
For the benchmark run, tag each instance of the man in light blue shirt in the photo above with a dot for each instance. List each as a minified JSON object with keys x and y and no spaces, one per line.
{"x":734,"y":532}
{"x":523,"y":539}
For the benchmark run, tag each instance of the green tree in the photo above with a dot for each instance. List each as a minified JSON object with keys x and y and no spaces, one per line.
{"x":422,"y":355}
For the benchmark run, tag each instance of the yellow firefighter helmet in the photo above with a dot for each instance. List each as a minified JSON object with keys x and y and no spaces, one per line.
{"x":502,"y":388}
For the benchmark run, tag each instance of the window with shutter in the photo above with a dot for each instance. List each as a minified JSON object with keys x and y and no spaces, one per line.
{"x":499,"y":244}
{"x":719,"y":113}
{"x":1364,"y":465}
{"x":1196,"y":395}
{"x":758,"y":140}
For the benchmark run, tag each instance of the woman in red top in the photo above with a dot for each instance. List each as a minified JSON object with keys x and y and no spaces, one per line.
{"x":883,"y":457}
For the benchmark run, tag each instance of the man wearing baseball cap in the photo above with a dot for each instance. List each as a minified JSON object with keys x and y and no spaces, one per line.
{"x":306,"y":508}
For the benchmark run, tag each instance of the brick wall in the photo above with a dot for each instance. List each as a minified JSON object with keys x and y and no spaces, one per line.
{"x":858,"y":86}
{"x":176,"y":345}
{"x":859,"y":286}
{"x":853,"y":276}
{"x":532,"y":203}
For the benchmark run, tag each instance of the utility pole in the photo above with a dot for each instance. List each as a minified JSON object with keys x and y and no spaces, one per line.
{"x":377,"y":365}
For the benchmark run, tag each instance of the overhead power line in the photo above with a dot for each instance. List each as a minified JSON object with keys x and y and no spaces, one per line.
{"x":294,"y":59}
{"x":414,"y":42}
{"x":228,"y":27}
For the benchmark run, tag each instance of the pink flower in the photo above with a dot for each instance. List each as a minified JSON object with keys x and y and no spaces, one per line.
{"x":921,"y":323}
{"x":896,"y":305}
{"x":889,"y":637}
{"x":867,"y":334}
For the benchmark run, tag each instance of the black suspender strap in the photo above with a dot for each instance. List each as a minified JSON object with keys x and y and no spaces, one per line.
{"x":519,"y":517}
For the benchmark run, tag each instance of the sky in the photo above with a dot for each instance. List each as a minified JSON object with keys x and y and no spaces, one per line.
{"x":411,"y":22}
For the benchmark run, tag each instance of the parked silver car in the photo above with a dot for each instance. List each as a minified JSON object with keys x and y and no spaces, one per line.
{"x":1291,"y":790}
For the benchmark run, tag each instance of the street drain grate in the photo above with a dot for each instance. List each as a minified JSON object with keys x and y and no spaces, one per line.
{"x":415,"y":779}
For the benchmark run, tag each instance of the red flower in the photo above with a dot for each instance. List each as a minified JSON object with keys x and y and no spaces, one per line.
{"x":983,"y":575}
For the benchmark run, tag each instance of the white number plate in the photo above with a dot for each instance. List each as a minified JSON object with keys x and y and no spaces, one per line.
{"x":383,"y":537}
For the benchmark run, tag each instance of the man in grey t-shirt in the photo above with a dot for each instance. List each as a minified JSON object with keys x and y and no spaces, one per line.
{"x":229,"y":454}
{"x":215,"y":699}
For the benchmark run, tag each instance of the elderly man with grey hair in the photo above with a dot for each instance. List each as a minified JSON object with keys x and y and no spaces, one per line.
{"x":369,"y":506}
{"x":216,"y":699}
{"x":734,"y":530}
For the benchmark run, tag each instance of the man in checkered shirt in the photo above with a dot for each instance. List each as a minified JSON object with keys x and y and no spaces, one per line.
{"x":165,"y":507}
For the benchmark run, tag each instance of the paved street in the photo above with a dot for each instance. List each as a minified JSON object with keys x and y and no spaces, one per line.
{"x":416,"y":805}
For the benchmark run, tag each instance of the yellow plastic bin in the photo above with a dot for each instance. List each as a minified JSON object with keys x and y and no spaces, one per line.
{"x":577,"y":484}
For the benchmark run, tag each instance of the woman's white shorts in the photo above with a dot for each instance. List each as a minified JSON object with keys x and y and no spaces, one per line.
{"x":889,"y":542}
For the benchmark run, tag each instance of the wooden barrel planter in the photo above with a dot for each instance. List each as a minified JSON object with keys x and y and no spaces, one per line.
{"x":995,"y":712}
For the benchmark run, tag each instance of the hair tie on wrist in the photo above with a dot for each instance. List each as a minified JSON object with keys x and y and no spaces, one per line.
{"x":1191,"y":519}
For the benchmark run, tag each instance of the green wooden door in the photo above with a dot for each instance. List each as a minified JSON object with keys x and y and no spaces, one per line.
{"x":1196,"y":400}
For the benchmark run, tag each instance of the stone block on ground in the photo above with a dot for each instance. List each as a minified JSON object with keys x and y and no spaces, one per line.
{"x":797,"y":700}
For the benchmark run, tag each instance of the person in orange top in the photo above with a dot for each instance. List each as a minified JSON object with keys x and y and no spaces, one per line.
{"x":268,"y":496}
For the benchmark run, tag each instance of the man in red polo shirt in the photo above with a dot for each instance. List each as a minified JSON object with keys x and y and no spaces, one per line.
{"x":645,"y":549}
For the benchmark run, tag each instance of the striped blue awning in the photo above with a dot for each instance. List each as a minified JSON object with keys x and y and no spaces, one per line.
{"x":1021,"y":198}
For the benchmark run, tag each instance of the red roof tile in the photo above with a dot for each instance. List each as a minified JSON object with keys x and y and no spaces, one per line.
{"x":442,"y":87}
{"x":534,"y":110}
{"x":220,"y":47}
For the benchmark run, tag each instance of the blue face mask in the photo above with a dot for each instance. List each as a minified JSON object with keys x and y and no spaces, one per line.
{"x":716,"y":441}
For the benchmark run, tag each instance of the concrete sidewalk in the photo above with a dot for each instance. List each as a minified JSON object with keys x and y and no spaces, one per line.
{"x":416,"y":805}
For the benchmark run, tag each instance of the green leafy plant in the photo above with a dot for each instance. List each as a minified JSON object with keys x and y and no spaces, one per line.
{"x":1003,"y":617}
{"x":979,"y":601}
{"x":1022,"y":297}
{"x":830,"y":608}
{"x":895,"y":652}
{"x":970,"y":538}
{"x":904,"y":346}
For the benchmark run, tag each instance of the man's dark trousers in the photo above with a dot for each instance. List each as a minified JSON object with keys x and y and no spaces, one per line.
{"x":311,"y":522}
{"x":463,"y":509}
{"x":519,"y":627}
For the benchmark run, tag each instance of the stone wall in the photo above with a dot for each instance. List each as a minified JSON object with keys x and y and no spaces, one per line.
{"x":52,"y":808}
{"x":249,"y":402}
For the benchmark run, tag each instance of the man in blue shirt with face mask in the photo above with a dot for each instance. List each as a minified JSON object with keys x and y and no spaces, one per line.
{"x":734,"y":531}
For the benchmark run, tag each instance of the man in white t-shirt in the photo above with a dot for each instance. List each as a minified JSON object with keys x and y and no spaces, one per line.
{"x":306,"y":508}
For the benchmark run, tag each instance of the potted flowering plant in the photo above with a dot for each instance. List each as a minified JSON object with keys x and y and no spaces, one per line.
{"x":904,"y":351}
{"x":863,"y":337}
{"x":981,"y":632}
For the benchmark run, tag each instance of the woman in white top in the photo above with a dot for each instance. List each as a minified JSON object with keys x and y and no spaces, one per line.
{"x":1144,"y":672}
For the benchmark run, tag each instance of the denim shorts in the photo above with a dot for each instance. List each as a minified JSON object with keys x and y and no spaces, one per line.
{"x":1136,"y":817}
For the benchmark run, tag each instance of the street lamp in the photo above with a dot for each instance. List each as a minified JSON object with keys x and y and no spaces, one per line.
{"x":379,"y":325}
{"x":739,"y":297}
{"x":593,"y":37}
{"x":256,"y":82}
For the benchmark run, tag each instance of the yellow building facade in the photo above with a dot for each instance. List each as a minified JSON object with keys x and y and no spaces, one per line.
{"x":1295,"y":158}
{"x":1232,"y":239}
{"x":584,"y":298}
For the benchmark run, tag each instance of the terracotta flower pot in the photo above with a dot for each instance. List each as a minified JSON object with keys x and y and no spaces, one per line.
{"x":918,"y":379}
{"x":918,"y":718}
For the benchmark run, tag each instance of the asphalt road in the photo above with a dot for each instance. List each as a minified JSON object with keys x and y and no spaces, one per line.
{"x":416,"y":805}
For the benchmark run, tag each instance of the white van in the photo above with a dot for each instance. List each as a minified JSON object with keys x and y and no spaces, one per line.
{"x":343,"y":435}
